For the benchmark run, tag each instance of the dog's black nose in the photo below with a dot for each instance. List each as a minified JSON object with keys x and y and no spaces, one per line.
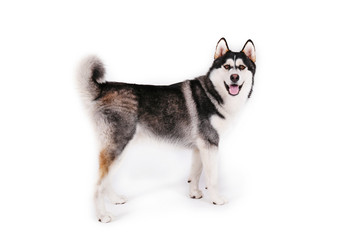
{"x":234,"y":77}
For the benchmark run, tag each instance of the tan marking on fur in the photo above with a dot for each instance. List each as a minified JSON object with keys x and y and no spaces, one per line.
{"x":109,"y":98}
{"x":120,"y":100}
{"x":104,"y":163}
{"x":252,"y":57}
{"x":219,"y":55}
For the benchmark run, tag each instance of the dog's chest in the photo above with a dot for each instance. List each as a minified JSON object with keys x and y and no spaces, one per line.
{"x":219,"y":124}
{"x":230,"y":115}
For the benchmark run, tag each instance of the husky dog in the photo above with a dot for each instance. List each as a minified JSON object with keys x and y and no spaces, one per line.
{"x":193,"y":114}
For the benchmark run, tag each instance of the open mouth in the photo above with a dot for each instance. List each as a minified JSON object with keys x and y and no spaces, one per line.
{"x":233,"y":89}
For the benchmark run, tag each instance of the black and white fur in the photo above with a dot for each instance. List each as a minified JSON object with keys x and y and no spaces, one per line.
{"x":193,"y":114}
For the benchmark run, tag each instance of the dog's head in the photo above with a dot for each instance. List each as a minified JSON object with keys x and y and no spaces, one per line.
{"x":231,"y":71}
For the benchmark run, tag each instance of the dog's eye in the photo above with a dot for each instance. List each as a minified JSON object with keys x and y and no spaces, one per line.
{"x":242,"y":67}
{"x":227,"y":66}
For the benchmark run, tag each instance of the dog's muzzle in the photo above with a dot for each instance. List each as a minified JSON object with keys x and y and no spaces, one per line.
{"x":233,"y":89}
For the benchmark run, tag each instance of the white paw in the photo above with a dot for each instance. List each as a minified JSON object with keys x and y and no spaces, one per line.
{"x":117,"y":200}
{"x":105,"y":218}
{"x":196,"y":194}
{"x":218,"y":200}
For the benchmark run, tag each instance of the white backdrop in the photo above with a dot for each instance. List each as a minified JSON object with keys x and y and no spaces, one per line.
{"x":290,"y":168}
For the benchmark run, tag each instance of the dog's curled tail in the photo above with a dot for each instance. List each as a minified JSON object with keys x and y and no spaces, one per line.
{"x":90,"y":76}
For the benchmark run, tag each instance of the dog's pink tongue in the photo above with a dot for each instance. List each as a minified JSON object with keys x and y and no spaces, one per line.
{"x":234,"y":89}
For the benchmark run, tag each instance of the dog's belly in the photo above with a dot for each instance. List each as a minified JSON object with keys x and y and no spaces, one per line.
{"x":180,"y":135}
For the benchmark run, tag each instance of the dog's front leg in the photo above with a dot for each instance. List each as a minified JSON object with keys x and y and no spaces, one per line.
{"x":196,"y":169}
{"x":209,"y":157}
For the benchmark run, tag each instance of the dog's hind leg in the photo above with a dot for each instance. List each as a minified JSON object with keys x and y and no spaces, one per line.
{"x":106,"y":161}
{"x":195,"y":172}
{"x":117,"y":130}
{"x":114,"y":197}
{"x":109,"y":192}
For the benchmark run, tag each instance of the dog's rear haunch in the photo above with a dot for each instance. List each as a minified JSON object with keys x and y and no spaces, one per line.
{"x":193,"y":113}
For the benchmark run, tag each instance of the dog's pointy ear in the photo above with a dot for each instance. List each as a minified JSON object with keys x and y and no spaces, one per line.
{"x":221,"y":48}
{"x":249,"y":50}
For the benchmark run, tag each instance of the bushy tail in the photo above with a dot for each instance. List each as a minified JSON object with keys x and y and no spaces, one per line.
{"x":91,"y":74}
